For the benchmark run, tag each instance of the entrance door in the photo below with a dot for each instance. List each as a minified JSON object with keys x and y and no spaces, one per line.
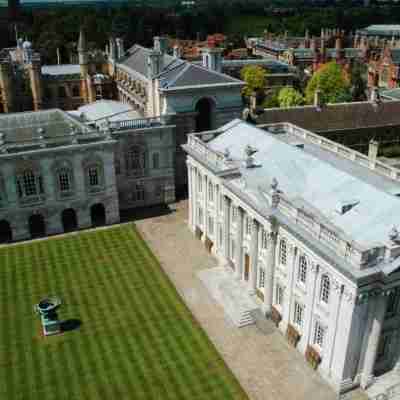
{"x":37,"y":227}
{"x":246,"y":267}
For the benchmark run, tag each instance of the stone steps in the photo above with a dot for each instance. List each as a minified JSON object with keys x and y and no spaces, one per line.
{"x":231,"y":294}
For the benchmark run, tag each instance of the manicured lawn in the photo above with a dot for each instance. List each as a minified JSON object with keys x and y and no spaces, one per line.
{"x":136,"y":340}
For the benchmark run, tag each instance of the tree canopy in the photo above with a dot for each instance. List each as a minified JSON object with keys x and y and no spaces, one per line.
{"x":255,"y":78}
{"x":332,"y":82}
{"x":290,"y":97}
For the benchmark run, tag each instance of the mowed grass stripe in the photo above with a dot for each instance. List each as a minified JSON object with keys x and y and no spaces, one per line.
{"x":137,"y":340}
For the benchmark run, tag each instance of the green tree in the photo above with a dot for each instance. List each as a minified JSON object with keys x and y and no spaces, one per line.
{"x":290,"y":97}
{"x":255,"y":79}
{"x":332,"y":82}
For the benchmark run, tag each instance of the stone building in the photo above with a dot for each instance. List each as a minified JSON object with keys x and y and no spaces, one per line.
{"x":316,"y":255}
{"x":59,"y":174}
{"x":26,"y":84}
{"x":352,"y":124}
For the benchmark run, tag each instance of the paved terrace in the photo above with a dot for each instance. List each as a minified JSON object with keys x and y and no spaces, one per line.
{"x":265,"y":364}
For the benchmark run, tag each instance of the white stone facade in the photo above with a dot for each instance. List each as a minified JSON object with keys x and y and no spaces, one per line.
{"x":307,"y":282}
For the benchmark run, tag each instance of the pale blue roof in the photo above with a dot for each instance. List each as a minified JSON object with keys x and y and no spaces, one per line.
{"x":312,"y":179}
{"x":61,"y":69}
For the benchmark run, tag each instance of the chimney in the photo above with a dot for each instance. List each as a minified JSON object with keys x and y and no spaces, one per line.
{"x":212,"y":58}
{"x":373,"y":150}
{"x":154,"y":63}
{"x":313,"y":45}
{"x":253,"y":101}
{"x":317,"y":99}
{"x":160,"y":44}
{"x":120,"y":48}
{"x":113,"y":49}
{"x":177,"y":51}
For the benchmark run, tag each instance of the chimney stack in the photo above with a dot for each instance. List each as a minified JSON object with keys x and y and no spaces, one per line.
{"x":120,"y":47}
{"x":177,"y":51}
{"x":155,"y":63}
{"x":212,"y":58}
{"x":160,"y":44}
{"x":373,"y":150}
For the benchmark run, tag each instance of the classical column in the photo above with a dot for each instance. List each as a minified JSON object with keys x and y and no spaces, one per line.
{"x":195,"y":198}
{"x":289,"y":290}
{"x":190,"y":202}
{"x":239,"y":244}
{"x":255,"y":229}
{"x":310,"y":301}
{"x":376,"y":315}
{"x":205,"y":211}
{"x":227,"y":216}
{"x":269,"y":275}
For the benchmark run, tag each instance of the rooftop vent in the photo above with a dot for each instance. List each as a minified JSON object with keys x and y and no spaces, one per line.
{"x":345,"y":206}
{"x":249,"y":160}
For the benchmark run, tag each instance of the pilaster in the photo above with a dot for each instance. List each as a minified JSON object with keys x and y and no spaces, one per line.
{"x":254,"y":255}
{"x":288,"y":293}
{"x":270,"y":273}
{"x":227,"y":217}
{"x":376,"y":315}
{"x":239,"y":244}
{"x":205,"y":211}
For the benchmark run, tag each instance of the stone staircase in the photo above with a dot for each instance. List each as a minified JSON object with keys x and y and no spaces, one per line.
{"x":231,"y":294}
{"x":386,"y":386}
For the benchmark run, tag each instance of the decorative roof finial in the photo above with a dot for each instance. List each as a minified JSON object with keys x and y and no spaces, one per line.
{"x":394,"y":234}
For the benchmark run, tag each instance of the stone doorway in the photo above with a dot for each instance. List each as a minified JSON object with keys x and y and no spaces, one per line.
{"x":37,"y":226}
{"x":246,"y":267}
{"x":98,"y":214}
{"x":5,"y":231}
{"x":69,"y":220}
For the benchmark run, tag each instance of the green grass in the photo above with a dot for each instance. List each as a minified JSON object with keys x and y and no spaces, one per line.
{"x":137,"y":339}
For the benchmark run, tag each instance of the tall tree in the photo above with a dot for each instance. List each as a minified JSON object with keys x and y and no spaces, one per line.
{"x":332,"y":82}
{"x":255,"y":79}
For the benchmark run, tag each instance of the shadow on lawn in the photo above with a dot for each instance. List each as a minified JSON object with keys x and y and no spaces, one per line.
{"x":70,"y":324}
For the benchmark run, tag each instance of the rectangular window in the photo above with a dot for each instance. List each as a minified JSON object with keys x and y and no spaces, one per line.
{"x":383,"y":346}
{"x":261,"y":279}
{"x":248,"y":225}
{"x":279,"y":295}
{"x":199,"y":183}
{"x":138,"y":193}
{"x":220,"y":236}
{"x":210,"y":192}
{"x":63,"y":180}
{"x":93,"y":176}
{"x":29,"y":184}
{"x":264,"y":239}
{"x":298,"y":314}
{"x":234,"y":211}
{"x":156,"y":160}
{"x":392,"y":305}
{"x":319,"y":334}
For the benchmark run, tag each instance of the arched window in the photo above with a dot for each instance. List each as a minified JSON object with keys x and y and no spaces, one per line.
{"x":283,"y":252}
{"x":302,"y":272}
{"x":64,"y":180}
{"x":29,"y":183}
{"x":325,"y":289}
{"x":156,"y":160}
{"x":136,"y":160}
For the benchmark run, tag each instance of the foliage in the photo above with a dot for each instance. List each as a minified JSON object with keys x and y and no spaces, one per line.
{"x":332,"y":82}
{"x":134,"y":337}
{"x":390,"y":151}
{"x":290,"y":97}
{"x":271,"y":101}
{"x":255,"y":78}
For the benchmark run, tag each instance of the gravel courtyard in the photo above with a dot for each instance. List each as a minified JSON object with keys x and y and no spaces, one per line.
{"x":265,"y":364}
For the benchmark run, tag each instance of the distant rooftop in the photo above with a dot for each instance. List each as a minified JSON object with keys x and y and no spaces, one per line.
{"x":62,"y":69}
{"x":381,"y":30}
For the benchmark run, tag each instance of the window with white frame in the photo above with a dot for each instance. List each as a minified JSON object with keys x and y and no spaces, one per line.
{"x":319,"y":334}
{"x":221,"y":202}
{"x":279,"y":295}
{"x":29,"y":183}
{"x":136,"y":159}
{"x":210,"y":192}
{"x":137,"y":193}
{"x":264,"y":239}
{"x":325,"y":289}
{"x":210,"y":225}
{"x":261,"y":277}
{"x":93,"y":173}
{"x":298,"y":316}
{"x":220,"y":236}
{"x":302,"y":272}
{"x":248,"y":225}
{"x":282,"y":252}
